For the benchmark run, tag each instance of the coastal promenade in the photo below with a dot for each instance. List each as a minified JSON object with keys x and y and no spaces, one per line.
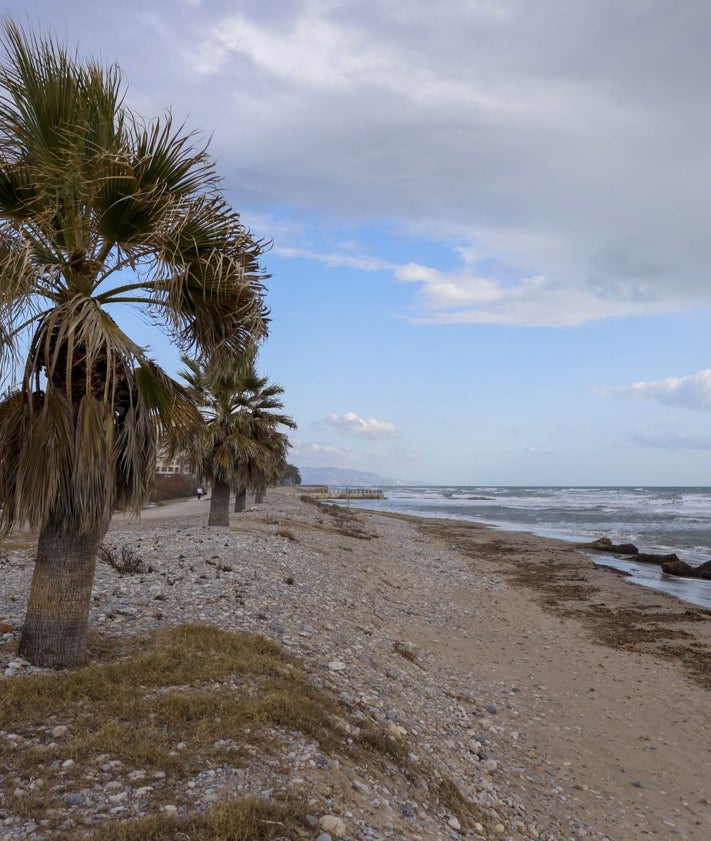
{"x":562,"y":701}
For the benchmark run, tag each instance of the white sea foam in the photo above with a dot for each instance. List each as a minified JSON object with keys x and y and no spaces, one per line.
{"x":655,"y":519}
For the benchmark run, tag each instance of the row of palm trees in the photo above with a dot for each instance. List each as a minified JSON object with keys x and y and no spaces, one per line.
{"x":241,"y":445}
{"x":100,"y":209}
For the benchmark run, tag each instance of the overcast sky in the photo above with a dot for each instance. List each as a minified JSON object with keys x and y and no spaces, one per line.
{"x":490,"y":258}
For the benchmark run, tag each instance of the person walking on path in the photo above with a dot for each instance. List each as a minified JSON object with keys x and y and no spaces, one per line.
{"x":199,"y":494}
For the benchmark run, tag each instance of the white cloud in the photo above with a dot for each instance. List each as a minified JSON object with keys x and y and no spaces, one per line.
{"x":465,"y":297}
{"x":350,"y":422}
{"x":690,"y":392}
{"x":322,"y":455}
{"x":363,"y":262}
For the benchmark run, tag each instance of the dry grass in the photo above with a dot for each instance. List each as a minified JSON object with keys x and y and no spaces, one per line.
{"x":344,"y":520}
{"x":125,"y":560}
{"x":447,"y":795}
{"x":193,"y":686}
{"x":238,"y":819}
{"x":404,"y":651}
{"x":183,"y":700}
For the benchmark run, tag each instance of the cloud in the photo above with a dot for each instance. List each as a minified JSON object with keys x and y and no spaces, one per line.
{"x":395,"y":454}
{"x":690,"y":392}
{"x":363,"y":262}
{"x":321,"y":454}
{"x":545,"y":136}
{"x":351,"y":423}
{"x":673,"y":441}
{"x":466,"y":297}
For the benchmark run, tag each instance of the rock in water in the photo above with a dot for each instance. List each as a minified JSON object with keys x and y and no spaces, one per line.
{"x":678,"y":568}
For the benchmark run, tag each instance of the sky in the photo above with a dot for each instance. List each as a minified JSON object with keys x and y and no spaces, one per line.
{"x":489,"y":220}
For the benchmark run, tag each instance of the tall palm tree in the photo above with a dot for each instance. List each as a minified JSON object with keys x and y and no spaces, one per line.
{"x":240,"y":441}
{"x":98,"y":208}
{"x":275,"y":445}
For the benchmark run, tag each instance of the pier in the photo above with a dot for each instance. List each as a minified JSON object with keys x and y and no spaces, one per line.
{"x":326,"y":492}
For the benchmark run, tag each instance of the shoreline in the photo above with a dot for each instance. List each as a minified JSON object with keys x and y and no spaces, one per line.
{"x":568,"y":702}
{"x":689,"y":590}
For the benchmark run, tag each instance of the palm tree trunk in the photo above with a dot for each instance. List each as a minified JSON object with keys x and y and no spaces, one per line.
{"x":260,"y":493}
{"x":240,"y":500}
{"x":57,"y":620}
{"x":219,"y":504}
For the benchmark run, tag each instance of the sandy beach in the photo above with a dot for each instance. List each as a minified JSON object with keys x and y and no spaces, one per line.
{"x":564,"y":701}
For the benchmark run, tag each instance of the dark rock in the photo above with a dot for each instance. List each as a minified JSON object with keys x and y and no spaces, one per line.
{"x":703,"y":571}
{"x":652,"y":558}
{"x":625,"y":549}
{"x":604,"y":544}
{"x":678,"y":568}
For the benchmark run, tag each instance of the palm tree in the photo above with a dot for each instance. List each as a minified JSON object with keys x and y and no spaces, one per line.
{"x":240,"y":443}
{"x":275,"y":445}
{"x":289,"y":475}
{"x":98,"y":208}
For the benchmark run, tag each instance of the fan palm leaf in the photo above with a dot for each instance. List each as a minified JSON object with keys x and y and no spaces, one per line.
{"x":99,"y":208}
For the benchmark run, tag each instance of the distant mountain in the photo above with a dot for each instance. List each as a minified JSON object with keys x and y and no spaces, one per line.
{"x":343,"y":478}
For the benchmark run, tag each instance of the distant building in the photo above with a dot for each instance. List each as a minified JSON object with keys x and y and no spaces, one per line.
{"x":165,"y":465}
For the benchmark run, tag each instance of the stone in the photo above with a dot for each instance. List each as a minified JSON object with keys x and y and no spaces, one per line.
{"x":333,"y":825}
{"x":678,"y":568}
{"x":604,"y":544}
{"x":454,"y":823}
{"x":703,"y":571}
{"x":653,"y":558}
{"x":336,"y":666}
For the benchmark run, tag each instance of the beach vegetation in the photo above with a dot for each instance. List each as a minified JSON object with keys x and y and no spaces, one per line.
{"x":404,"y":651}
{"x":99,"y":209}
{"x":220,"y":696}
{"x":234,"y":819}
{"x":125,"y":561}
{"x":173,"y":703}
{"x":241,"y":445}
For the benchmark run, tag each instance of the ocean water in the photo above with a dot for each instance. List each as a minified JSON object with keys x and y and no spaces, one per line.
{"x":663,"y":519}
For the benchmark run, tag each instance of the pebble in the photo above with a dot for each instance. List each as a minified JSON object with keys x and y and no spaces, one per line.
{"x":343,"y":627}
{"x":333,"y":825}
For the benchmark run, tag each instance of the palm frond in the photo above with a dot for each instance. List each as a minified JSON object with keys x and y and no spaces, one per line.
{"x":89,"y":192}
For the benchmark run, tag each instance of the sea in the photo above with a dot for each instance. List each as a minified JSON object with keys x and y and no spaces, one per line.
{"x":663,"y":519}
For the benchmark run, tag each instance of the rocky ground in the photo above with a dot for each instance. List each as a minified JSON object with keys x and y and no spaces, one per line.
{"x":551,"y":735}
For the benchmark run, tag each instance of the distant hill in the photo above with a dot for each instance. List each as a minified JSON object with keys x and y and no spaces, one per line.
{"x":343,"y":478}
